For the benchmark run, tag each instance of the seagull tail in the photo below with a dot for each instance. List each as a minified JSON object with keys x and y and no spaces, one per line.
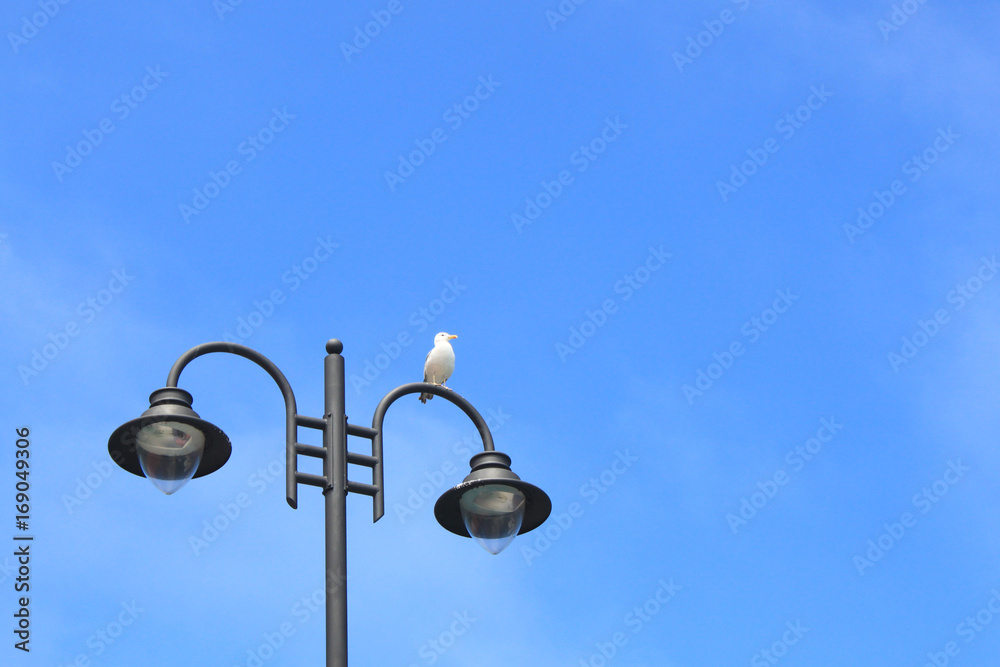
{"x":426,"y":397}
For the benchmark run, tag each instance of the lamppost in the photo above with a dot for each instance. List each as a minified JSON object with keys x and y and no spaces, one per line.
{"x":171,"y":444}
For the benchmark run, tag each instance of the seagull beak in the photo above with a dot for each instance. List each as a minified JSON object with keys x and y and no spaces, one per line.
{"x":452,"y":336}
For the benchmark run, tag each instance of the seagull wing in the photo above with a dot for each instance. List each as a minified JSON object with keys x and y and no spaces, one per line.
{"x":426,"y":359}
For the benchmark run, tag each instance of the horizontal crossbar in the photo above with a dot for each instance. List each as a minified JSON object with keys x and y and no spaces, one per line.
{"x":314,"y":480}
{"x":361,"y":431}
{"x":310,"y":422}
{"x":361,"y":459}
{"x":365,"y":489}
{"x":310,"y":450}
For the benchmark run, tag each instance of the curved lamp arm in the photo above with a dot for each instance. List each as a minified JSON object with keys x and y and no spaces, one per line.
{"x":437,"y":390}
{"x":292,"y":418}
{"x":389,"y":399}
{"x":239,"y":350}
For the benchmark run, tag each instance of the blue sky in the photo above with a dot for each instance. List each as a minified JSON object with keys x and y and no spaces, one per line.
{"x":724,"y":274}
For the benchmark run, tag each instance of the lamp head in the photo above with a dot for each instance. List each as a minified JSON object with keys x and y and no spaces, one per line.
{"x":169,"y":443}
{"x":492,"y":504}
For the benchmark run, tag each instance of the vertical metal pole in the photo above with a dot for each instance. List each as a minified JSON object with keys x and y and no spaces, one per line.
{"x":335,"y":471}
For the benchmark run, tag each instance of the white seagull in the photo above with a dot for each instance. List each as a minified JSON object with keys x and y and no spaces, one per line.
{"x":440,"y":362}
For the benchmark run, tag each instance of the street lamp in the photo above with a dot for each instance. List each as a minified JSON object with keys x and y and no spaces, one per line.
{"x":170,"y":444}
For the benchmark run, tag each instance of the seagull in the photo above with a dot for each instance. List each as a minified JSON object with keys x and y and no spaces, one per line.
{"x":440,"y":362}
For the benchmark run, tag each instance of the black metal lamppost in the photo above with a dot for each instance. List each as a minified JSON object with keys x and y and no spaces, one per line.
{"x":171,"y":444}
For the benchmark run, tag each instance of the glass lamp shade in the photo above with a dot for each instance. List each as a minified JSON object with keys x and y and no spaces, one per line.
{"x":169,"y":453}
{"x":169,"y":443}
{"x":492,"y":504}
{"x":493,"y":514}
